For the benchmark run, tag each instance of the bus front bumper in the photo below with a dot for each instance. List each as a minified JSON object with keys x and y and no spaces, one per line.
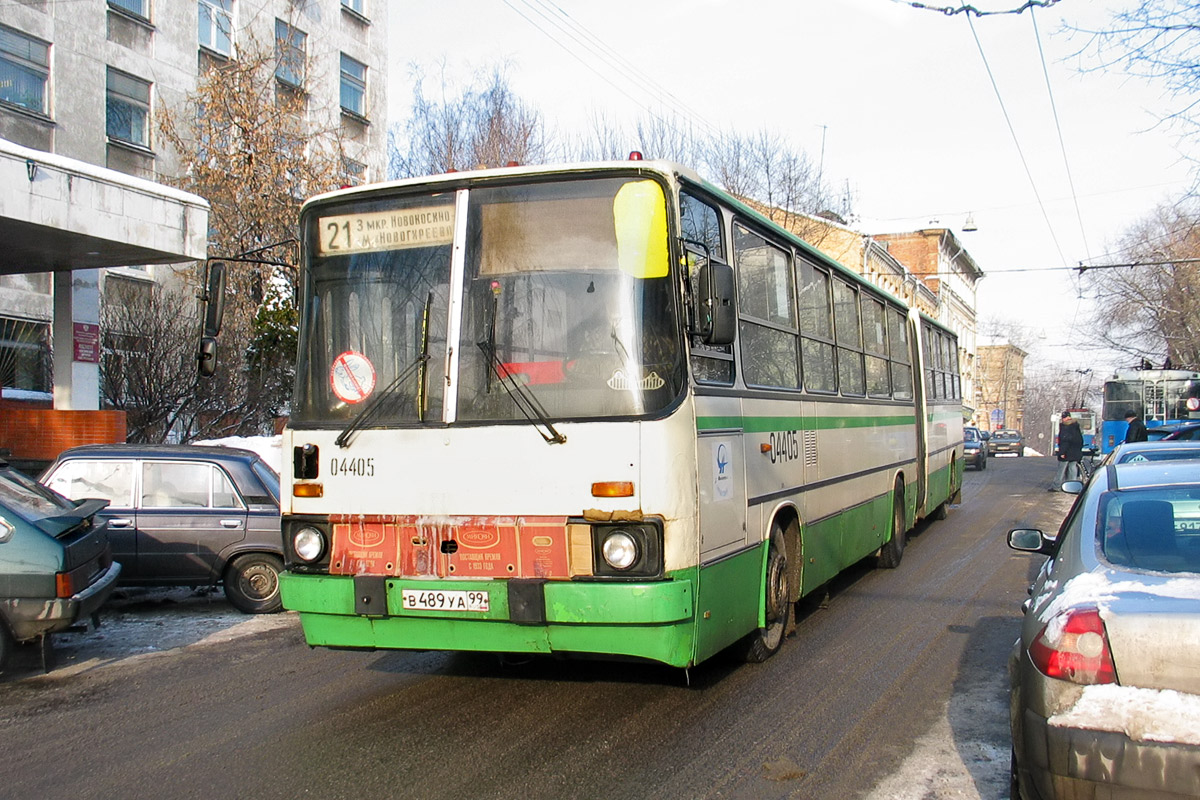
{"x":653,"y":620}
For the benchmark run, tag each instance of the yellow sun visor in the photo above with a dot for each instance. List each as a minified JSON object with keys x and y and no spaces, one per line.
{"x":640,"y":218}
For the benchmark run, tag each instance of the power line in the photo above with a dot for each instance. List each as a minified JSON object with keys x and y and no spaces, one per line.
{"x":1062,"y":145}
{"x":1012,"y":131}
{"x":950,"y":11}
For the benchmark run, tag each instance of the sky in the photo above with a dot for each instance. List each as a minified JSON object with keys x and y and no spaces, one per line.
{"x":928,"y":117}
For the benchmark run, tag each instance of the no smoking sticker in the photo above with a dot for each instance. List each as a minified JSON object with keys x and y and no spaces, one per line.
{"x":352,"y":377}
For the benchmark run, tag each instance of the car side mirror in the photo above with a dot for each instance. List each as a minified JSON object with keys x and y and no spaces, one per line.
{"x":1030,"y":540}
{"x":1073,"y":487}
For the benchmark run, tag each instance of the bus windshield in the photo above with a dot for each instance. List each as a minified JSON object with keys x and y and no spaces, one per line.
{"x":1161,"y":400}
{"x":566,"y":298}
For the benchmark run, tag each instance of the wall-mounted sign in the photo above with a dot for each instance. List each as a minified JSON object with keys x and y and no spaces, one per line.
{"x":87,"y":342}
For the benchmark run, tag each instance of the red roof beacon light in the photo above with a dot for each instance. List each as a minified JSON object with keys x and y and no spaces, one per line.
{"x":635,"y":155}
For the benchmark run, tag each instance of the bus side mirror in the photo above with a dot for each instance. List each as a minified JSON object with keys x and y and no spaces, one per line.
{"x":207,"y":356}
{"x":214,"y":298}
{"x":716,"y":319}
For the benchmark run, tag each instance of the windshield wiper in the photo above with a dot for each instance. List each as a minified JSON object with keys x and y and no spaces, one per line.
{"x":522,"y":398}
{"x":373,"y":406}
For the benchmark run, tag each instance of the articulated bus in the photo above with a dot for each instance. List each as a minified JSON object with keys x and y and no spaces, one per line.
{"x":1158,"y":396}
{"x":594,"y":409}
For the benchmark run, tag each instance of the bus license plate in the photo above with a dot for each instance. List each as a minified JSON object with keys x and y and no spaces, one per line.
{"x":448,"y":600}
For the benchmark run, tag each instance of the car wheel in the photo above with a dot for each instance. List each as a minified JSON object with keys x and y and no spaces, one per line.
{"x":763,"y":643}
{"x":252,"y":583}
{"x":893,"y":549}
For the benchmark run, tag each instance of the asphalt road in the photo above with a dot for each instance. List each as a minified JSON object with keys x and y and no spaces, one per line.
{"x":892,"y":687}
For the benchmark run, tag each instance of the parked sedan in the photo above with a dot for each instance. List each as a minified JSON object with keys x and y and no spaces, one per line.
{"x":182,"y":515}
{"x":56,"y":566}
{"x":1188,"y":431}
{"x":1005,"y":441}
{"x":1105,"y":693}
{"x":1163,"y":450}
{"x":975,"y":450}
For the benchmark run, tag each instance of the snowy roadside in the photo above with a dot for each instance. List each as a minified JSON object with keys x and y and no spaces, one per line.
{"x":140,"y":623}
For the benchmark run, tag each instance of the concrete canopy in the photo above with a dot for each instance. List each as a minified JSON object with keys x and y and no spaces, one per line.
{"x":60,"y":214}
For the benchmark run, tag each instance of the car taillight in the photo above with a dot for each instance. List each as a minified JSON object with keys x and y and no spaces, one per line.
{"x":1074,"y":647}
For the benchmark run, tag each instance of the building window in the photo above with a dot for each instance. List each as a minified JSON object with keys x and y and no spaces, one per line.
{"x":354,"y":173}
{"x":216,"y":26}
{"x":24,"y":356}
{"x":290,"y":45}
{"x":357,"y":6}
{"x":354,"y":86}
{"x":135,"y":7}
{"x":128,"y":109}
{"x":24,"y":70}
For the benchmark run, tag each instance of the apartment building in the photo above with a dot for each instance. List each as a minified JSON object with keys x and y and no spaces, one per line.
{"x":81,"y":87}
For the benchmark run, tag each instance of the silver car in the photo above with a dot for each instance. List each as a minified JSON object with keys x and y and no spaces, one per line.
{"x":1105,"y":678}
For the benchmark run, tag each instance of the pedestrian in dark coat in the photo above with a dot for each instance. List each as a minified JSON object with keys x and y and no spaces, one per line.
{"x":1137,"y":428}
{"x":1070,"y":450}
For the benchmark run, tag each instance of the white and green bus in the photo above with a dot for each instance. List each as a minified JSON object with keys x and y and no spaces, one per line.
{"x":597,"y":408}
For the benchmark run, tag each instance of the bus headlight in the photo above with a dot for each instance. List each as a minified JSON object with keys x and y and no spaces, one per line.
{"x":629,"y":550}
{"x":308,"y":544}
{"x":620,"y":550}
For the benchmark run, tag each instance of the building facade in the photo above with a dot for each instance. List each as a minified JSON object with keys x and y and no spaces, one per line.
{"x":84,"y":82}
{"x":1000,"y":392}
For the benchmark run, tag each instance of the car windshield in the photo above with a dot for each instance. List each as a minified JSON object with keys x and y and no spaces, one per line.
{"x":970,"y":435}
{"x":28,"y":498}
{"x":1154,"y":529}
{"x":1007,"y":435}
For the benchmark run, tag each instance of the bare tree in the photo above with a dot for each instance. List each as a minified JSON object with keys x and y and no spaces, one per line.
{"x":1149,"y":308}
{"x":148,"y":364}
{"x":253,"y":150}
{"x":1160,"y":43}
{"x":484,"y":124}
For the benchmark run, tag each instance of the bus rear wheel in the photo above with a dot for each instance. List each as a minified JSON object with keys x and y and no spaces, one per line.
{"x":764,"y":642}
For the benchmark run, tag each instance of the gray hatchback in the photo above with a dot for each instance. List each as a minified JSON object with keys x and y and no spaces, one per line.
{"x":184,"y":515}
{"x":1105,"y":686}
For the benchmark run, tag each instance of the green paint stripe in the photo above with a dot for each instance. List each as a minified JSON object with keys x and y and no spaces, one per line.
{"x":768,"y":424}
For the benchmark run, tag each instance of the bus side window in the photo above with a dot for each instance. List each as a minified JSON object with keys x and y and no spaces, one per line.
{"x":848,"y":328}
{"x":902,"y":376}
{"x":703,"y":234}
{"x":816,"y":330}
{"x":766,"y":311}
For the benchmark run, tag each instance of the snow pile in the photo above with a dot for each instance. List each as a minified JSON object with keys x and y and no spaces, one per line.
{"x":1145,"y":715}
{"x":267,"y":447}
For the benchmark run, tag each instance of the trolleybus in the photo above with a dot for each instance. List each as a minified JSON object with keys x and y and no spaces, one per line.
{"x":1158,"y":396}
{"x":594,"y":409}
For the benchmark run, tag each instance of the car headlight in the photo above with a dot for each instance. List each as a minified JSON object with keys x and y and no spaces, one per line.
{"x":308,"y":544}
{"x":620,"y":550}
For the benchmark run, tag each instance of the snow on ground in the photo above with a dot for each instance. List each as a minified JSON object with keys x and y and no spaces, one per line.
{"x":139,"y":623}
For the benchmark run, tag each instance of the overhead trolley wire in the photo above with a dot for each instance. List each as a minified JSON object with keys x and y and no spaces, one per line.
{"x":1016,"y":141}
{"x":612,"y":64}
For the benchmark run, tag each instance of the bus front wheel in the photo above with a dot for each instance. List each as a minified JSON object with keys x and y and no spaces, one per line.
{"x":893,"y":549}
{"x":764,"y":642}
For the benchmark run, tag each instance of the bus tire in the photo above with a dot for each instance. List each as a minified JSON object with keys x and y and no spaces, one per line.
{"x":252,"y":583}
{"x":893,"y":549}
{"x":761,"y":644}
